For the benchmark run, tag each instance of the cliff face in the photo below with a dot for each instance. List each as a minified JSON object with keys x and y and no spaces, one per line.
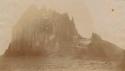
{"x":41,"y":32}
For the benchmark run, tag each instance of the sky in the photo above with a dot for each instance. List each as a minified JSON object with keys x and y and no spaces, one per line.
{"x":90,"y":16}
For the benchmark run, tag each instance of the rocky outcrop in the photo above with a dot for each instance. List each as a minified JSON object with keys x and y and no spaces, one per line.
{"x":42,"y":32}
{"x":102,"y":48}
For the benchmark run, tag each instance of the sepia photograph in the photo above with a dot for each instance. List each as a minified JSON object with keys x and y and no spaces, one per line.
{"x":62,"y":35}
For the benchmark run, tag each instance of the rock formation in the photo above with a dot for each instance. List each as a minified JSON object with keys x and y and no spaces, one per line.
{"x":102,"y":48}
{"x":41,"y":32}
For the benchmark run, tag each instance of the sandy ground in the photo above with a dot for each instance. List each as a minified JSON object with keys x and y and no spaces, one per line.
{"x":55,"y":64}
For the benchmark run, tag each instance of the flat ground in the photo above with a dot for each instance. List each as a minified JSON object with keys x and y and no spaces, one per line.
{"x":55,"y":64}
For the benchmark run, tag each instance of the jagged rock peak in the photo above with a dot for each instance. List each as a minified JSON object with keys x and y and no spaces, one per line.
{"x":95,"y":37}
{"x":41,"y":31}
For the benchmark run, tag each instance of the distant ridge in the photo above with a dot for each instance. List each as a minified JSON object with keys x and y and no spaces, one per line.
{"x":102,"y":48}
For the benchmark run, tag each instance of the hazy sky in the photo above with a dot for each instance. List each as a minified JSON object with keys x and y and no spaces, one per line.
{"x":90,"y":16}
